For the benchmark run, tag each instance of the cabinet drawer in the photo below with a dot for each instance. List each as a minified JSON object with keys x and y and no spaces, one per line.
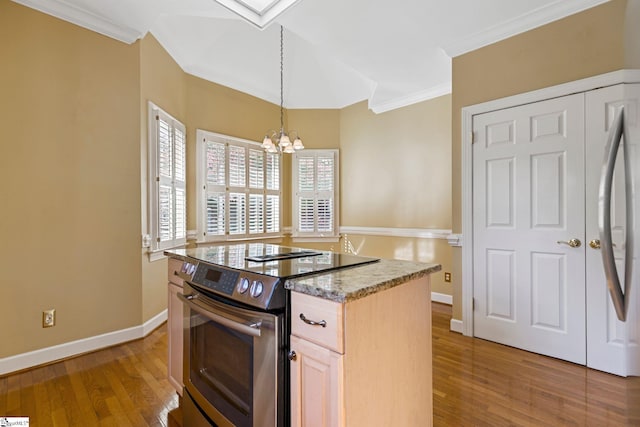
{"x":174,"y":267}
{"x":317,"y":310}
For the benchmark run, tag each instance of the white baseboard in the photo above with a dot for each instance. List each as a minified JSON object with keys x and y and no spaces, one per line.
{"x":74,"y":348}
{"x":455,"y":326}
{"x":151,"y":324}
{"x":441,"y":298}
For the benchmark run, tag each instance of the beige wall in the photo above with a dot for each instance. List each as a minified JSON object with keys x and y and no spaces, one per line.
{"x":219,"y":109}
{"x":74,"y":109}
{"x":395,"y":169}
{"x":579,"y":46}
{"x":162,"y":82}
{"x":318,"y":129}
{"x":70,"y":171}
{"x":395,"y":172}
{"x":198,"y":104}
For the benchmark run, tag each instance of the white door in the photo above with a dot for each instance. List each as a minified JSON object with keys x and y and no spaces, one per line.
{"x":528,"y":204}
{"x":612,"y":345}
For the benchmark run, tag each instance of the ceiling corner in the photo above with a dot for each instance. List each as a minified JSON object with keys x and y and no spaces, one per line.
{"x":413,"y":98}
{"x":533,"y":19}
{"x":83,"y":18}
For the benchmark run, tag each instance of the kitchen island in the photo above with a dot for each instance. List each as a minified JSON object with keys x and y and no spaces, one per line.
{"x":359,"y":338}
{"x":370,"y":364}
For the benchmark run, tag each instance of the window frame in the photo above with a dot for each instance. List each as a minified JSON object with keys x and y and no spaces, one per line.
{"x":155,"y":244}
{"x":315,"y":236}
{"x":203,"y":188}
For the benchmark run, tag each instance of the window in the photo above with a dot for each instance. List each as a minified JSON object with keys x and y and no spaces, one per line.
{"x":315,"y":193}
{"x":167,"y":177}
{"x":238,"y":189}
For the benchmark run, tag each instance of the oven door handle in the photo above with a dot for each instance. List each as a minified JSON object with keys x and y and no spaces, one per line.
{"x":250,"y":328}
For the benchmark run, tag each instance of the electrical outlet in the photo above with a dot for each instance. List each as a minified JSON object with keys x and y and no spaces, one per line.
{"x":447,"y":277}
{"x":48,"y":318}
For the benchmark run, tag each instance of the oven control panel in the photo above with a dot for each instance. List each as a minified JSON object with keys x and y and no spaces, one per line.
{"x":246,"y":287}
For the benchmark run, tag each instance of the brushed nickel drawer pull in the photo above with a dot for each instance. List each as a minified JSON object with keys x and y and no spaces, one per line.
{"x":312,"y":322}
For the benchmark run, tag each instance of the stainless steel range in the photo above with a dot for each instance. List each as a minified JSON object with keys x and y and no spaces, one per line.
{"x":237,"y":330}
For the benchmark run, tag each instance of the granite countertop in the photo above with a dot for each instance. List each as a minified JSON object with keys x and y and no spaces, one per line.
{"x":343,"y":285}
{"x":357,"y":282}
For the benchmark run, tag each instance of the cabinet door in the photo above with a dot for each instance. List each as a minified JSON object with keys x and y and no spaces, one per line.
{"x":316,"y":386}
{"x":175,"y":334}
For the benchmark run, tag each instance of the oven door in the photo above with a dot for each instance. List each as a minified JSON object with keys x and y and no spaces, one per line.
{"x":233,"y":361}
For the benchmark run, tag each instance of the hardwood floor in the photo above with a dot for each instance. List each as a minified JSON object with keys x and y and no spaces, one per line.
{"x":480,"y":383}
{"x":121,"y":386}
{"x":476,"y":383}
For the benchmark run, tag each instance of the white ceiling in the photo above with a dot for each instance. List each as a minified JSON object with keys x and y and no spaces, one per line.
{"x":337,"y":52}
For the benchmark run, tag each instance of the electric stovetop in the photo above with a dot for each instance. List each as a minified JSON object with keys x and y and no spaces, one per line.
{"x":273,"y":260}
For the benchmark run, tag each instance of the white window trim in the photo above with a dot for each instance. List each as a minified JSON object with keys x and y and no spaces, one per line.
{"x":298,"y":236}
{"x":155,"y":247}
{"x":202,"y":136}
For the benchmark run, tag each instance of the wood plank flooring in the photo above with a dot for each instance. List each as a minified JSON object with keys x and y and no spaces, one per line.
{"x":476,"y":383}
{"x":121,"y":386}
{"x":480,"y":383}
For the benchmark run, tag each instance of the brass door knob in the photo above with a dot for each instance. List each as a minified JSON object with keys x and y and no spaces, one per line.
{"x":574,"y":243}
{"x":595,"y":244}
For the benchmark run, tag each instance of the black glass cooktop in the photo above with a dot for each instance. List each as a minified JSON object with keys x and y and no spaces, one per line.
{"x":282,"y":256}
{"x":274,"y":260}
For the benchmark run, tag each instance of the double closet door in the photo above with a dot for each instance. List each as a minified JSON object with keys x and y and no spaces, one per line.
{"x":538,"y":275}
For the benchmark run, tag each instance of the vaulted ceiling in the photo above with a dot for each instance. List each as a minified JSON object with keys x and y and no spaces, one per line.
{"x":337,"y":52}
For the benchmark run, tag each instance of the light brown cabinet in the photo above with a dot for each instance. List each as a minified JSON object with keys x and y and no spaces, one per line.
{"x":174,"y":326}
{"x":316,"y":362}
{"x":364,"y":362}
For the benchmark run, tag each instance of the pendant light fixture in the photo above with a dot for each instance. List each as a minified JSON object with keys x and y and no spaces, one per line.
{"x":273,"y":141}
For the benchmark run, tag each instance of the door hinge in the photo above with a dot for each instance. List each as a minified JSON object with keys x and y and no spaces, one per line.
{"x":473,"y":137}
{"x":473,"y":304}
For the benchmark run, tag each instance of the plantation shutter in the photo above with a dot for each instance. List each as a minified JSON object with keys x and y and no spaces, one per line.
{"x":168,"y":219}
{"x":241,"y":186}
{"x":215,"y":189}
{"x":315,"y":173}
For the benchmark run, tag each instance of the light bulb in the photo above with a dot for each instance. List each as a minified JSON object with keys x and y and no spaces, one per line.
{"x":289,"y":149}
{"x":267,"y":142}
{"x":284,"y":140}
{"x":297,"y":144}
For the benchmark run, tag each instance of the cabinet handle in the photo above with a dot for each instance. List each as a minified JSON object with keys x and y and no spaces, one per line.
{"x":292,"y":355}
{"x":312,"y":322}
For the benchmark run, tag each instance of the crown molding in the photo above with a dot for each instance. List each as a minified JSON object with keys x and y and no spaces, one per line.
{"x":536,"y":18}
{"x":83,"y":18}
{"x":414,"y":98}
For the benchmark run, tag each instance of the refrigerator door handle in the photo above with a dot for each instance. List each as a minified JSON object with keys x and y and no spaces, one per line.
{"x":614,"y":137}
{"x":629,"y":218}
